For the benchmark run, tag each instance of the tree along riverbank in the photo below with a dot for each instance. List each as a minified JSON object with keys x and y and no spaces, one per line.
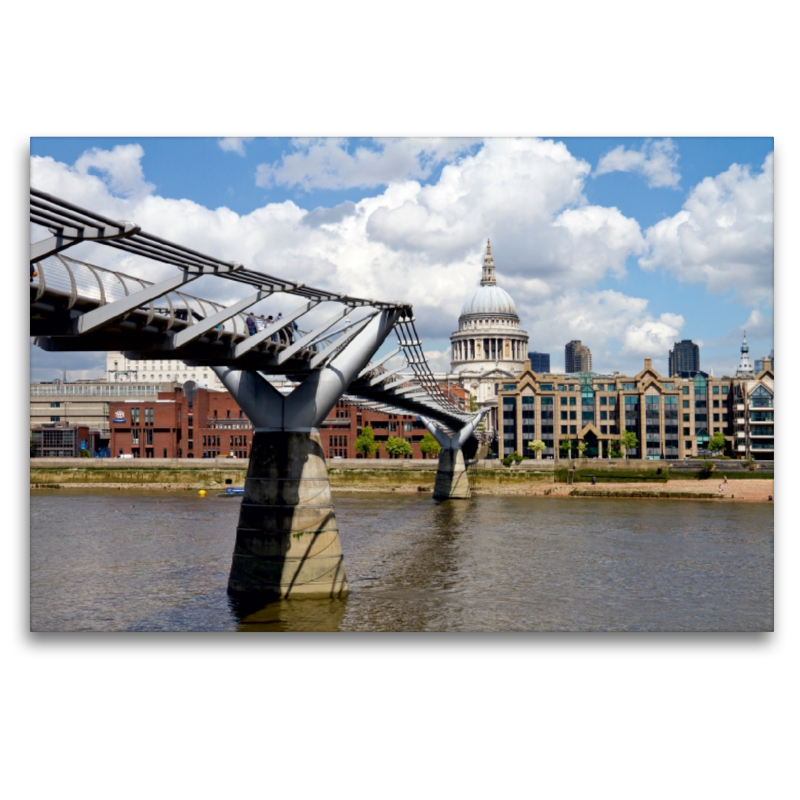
{"x":612,"y":477}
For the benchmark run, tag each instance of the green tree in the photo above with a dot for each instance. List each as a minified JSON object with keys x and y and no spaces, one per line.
{"x":717,"y":442}
{"x":614,"y":449}
{"x":429,"y":446}
{"x":565,"y":446}
{"x":537,"y":445}
{"x":628,"y":441}
{"x":366,"y":444}
{"x":581,"y":449}
{"x":473,"y":403}
{"x":397,"y":447}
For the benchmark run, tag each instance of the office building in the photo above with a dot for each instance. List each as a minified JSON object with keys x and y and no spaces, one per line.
{"x":540,"y":362}
{"x":684,"y":359}
{"x":671,"y":418}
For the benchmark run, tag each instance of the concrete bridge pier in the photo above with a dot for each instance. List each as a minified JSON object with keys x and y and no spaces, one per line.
{"x":452,"y":482}
{"x":287,"y":538}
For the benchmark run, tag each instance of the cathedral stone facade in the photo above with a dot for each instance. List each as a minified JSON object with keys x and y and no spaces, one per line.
{"x":489,"y":347}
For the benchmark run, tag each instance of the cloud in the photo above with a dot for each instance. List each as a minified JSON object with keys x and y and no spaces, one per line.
{"x":328,"y":164}
{"x":722,"y":237}
{"x":419,"y":244}
{"x":120,"y":169}
{"x":234,"y":144}
{"x":759,"y":325}
{"x":617,"y":328}
{"x":657,"y":160}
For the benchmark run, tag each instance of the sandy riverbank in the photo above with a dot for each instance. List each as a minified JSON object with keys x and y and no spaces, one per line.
{"x":737,"y":490}
{"x":747,"y":491}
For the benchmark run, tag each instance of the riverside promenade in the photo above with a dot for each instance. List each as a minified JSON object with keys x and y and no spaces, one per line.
{"x":687,"y":479}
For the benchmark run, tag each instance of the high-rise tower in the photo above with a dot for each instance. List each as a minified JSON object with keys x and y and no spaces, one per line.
{"x":684,"y":359}
{"x":577,"y":357}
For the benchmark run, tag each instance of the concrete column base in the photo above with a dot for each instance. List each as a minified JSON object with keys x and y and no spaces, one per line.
{"x":287,"y":539}
{"x":452,"y":482}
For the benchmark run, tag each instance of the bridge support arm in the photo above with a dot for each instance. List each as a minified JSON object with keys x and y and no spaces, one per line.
{"x":452,"y":482}
{"x":287,"y":539}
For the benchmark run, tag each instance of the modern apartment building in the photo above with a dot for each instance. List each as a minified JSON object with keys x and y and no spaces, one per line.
{"x":540,"y":362}
{"x":684,"y":359}
{"x":577,"y":358}
{"x":670,"y":417}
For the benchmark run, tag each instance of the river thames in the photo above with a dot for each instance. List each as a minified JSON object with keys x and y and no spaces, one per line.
{"x":104,"y":560}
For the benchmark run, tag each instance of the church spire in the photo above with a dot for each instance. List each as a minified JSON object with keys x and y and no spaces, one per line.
{"x":488,"y":278}
{"x":745,"y":365}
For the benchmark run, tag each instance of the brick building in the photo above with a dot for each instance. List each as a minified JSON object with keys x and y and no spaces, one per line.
{"x":340,"y":431}
{"x":184,"y":423}
{"x":197,"y":423}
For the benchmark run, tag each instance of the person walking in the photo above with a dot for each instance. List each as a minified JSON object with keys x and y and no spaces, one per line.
{"x":260,"y":323}
{"x":251,"y":324}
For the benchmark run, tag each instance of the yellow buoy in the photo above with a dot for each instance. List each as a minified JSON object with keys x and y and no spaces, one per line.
{"x":202,"y":493}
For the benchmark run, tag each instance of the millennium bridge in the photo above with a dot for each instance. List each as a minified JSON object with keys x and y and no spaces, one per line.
{"x":287,"y":538}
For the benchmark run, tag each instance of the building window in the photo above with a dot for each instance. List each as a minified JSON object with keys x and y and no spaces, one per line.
{"x":228,"y":414}
{"x":572,"y":401}
{"x":715,"y":390}
{"x":134,"y":416}
{"x":603,"y":401}
{"x":572,"y":414}
{"x":716,"y":417}
{"x":686,"y":390}
{"x":572,"y":429}
{"x":563,"y":415}
{"x":135,"y":432}
{"x":55,"y":405}
{"x":563,"y":429}
{"x":563,"y":401}
{"x":55,"y":419}
{"x":603,"y":415}
{"x":724,"y":390}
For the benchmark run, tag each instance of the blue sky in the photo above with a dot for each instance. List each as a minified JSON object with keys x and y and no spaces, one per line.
{"x":625,"y":243}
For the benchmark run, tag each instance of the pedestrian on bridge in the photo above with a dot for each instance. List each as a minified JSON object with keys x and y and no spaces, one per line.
{"x":251,"y":324}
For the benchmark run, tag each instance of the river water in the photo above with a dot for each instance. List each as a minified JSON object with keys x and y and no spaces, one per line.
{"x":106,"y":560}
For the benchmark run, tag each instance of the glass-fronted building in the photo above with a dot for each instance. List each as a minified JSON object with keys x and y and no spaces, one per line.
{"x":670,"y":417}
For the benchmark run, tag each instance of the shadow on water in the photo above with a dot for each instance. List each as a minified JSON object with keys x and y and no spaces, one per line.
{"x":434,"y":563}
{"x":254,"y":615}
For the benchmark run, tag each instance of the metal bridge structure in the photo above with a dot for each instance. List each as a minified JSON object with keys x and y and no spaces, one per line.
{"x":287,"y":541}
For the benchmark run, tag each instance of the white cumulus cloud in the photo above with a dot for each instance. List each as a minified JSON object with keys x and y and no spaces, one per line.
{"x":657,"y":160}
{"x":234,"y":144}
{"x":722,"y":237}
{"x":327,"y":164}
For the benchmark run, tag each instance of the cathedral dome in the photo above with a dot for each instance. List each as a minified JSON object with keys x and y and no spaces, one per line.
{"x":486,"y":299}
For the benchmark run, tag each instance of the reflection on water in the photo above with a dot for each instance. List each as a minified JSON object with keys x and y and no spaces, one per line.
{"x":149,"y":561}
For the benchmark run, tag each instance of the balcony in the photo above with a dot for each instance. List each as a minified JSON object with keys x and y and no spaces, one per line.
{"x":740,"y":407}
{"x":739,"y":420}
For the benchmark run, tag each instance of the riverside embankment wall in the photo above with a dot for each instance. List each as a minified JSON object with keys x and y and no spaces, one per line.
{"x":373,"y":473}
